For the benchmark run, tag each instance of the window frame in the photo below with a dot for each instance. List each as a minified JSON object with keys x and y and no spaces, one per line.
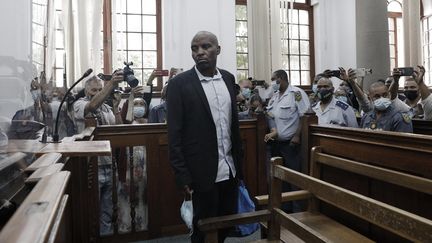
{"x":244,"y":3}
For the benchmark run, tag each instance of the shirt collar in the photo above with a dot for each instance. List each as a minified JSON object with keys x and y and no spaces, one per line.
{"x":204,"y":78}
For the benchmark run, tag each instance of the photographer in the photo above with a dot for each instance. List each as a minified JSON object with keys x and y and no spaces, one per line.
{"x":426,"y":97}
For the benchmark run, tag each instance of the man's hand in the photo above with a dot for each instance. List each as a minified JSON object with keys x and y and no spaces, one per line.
{"x":138,"y":91}
{"x":419,"y":74}
{"x":343,"y":74}
{"x":396,"y":74}
{"x":187,"y":192}
{"x":117,"y":77}
{"x":295,"y":140}
{"x":270,"y":136}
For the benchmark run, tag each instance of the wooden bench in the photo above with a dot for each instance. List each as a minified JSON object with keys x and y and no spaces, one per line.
{"x":41,"y":217}
{"x":313,"y":226}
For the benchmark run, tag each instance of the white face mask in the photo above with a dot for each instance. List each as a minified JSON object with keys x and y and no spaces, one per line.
{"x":275,"y":86}
{"x":382,"y":104}
{"x":342,"y":98}
{"x":315,"y":88}
{"x":138,"y":111}
{"x":186,"y":212}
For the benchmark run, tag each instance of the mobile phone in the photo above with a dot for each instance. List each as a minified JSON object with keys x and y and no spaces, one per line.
{"x":105,"y":77}
{"x":258,"y":82}
{"x":405,"y":71}
{"x":161,"y":72}
{"x":362,"y":72}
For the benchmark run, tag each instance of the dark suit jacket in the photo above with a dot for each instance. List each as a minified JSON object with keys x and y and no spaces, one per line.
{"x":193,"y":149}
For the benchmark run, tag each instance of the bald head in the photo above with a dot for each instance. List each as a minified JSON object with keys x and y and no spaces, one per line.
{"x":205,"y":49}
{"x":208,"y":35}
{"x":325,"y":83}
{"x":378,"y":90}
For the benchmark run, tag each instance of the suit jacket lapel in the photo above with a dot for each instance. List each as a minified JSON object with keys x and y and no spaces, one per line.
{"x":196,"y":83}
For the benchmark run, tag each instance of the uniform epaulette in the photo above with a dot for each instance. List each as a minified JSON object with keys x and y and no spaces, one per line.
{"x":342,"y":105}
{"x":297,"y":96}
{"x":406,"y":117}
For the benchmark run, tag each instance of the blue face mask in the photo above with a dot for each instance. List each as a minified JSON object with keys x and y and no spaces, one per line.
{"x":246,"y":92}
{"x":35,"y":94}
{"x":138,"y":111}
{"x":382,"y":104}
{"x":342,"y":98}
{"x":315,"y":88}
{"x":275,"y":86}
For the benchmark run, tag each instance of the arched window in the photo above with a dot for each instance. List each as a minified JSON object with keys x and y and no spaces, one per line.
{"x":242,"y":39}
{"x":395,"y":25}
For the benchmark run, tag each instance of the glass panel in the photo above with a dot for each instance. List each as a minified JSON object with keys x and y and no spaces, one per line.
{"x":295,"y":78}
{"x":242,"y":74}
{"x":392,"y":63}
{"x":294,"y":63}
{"x":149,"y":41}
{"x":284,"y":61}
{"x":241,"y":28}
{"x":58,"y":20}
{"x":295,"y":16}
{"x":118,"y":6}
{"x":38,"y":33}
{"x":59,"y":77}
{"x":149,"y":6}
{"x":242,"y":44}
{"x":134,"y":6}
{"x":390,"y":23}
{"x":391,"y":37}
{"x":284,"y":46}
{"x":284,"y":31}
{"x":294,"y":47}
{"x":241,"y":12}
{"x":120,"y":22}
{"x":136,"y":58}
{"x":38,"y":51}
{"x":134,"y":23}
{"x":150,"y":59}
{"x":120,"y":41}
{"x":305,"y":62}
{"x":304,"y":32}
{"x":59,"y":62}
{"x":242,"y":61}
{"x":58,"y":4}
{"x":149,"y":23}
{"x":120,"y":57}
{"x":283,"y":16}
{"x":59,"y":39}
{"x":294,"y":31}
{"x":134,"y":41}
{"x":300,"y":1}
{"x":304,"y":47}
{"x":304,"y":17}
{"x":392,"y":51}
{"x":305,"y":78}
{"x":394,"y":6}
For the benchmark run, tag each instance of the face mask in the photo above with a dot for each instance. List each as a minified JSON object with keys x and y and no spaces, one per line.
{"x":411,"y":94}
{"x":275,"y":86}
{"x":186,"y":212}
{"x":315,"y":88}
{"x":325,"y":94}
{"x":138,"y":111}
{"x":246,"y":93}
{"x":35,"y":94}
{"x":382,"y":104}
{"x":342,"y":98}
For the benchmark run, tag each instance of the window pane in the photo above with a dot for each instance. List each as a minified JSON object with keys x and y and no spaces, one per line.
{"x":284,"y":47}
{"x":242,"y":61}
{"x":294,"y":47}
{"x":394,"y":6}
{"x":134,"y":23}
{"x":241,"y":12}
{"x":242,"y":44}
{"x":305,"y":77}
{"x":138,"y":74}
{"x":242,"y":74}
{"x":300,"y":1}
{"x":150,"y":59}
{"x":390,"y":23}
{"x":294,"y":31}
{"x":119,"y":7}
{"x":294,"y":63}
{"x":295,"y":78}
{"x":38,"y":51}
{"x":241,"y":28}
{"x":285,"y":61}
{"x":304,"y":47}
{"x":133,"y":6}
{"x":38,"y":33}
{"x":392,"y":51}
{"x":149,"y":6}
{"x":59,"y":39}
{"x":59,"y":77}
{"x":149,"y":41}
{"x":149,"y":23}
{"x":391,"y":37}
{"x":136,"y":58}
{"x":295,"y":16}
{"x":120,"y":41}
{"x":134,"y":41}
{"x":59,"y":58}
{"x":120,"y":57}
{"x":304,"y":32}
{"x":120,"y":22}
{"x":304,"y":17}
{"x":392,"y":63}
{"x":305,"y":60}
{"x":284,"y":31}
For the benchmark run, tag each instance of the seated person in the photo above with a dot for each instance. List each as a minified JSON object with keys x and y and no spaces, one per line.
{"x":384,"y":116}
{"x":330,"y":110}
{"x":255,"y":106}
{"x":158,"y":113}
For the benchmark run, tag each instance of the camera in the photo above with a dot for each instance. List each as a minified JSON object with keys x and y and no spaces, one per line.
{"x":128,"y":75}
{"x":334,"y":73}
{"x":405,"y":71}
{"x":362,"y":72}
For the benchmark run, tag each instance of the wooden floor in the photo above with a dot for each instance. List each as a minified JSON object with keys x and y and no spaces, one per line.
{"x":186,"y":239}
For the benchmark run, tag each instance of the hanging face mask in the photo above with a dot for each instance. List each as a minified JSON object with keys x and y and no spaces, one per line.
{"x":246,"y":92}
{"x":186,"y":212}
{"x":342,"y":98}
{"x":275,"y":86}
{"x":411,"y":94}
{"x":35,"y":94}
{"x":138,"y":111}
{"x":315,"y":88}
{"x":325,"y":94}
{"x":382,"y":104}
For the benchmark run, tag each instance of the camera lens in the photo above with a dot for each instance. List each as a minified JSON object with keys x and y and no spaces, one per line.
{"x":131,"y":80}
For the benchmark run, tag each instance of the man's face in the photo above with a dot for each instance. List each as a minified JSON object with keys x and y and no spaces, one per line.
{"x":410,"y":85}
{"x":378,"y":92}
{"x":93,"y":88}
{"x":324,"y":83}
{"x":255,"y":105}
{"x":204,"y":51}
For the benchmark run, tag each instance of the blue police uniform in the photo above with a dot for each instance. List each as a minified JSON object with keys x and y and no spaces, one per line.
{"x":390,"y":120}
{"x":337,"y":112}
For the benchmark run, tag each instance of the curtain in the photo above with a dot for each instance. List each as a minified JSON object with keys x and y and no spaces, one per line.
{"x":82,"y":21}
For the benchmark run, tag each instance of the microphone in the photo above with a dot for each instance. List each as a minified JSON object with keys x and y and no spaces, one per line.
{"x":55,"y":134}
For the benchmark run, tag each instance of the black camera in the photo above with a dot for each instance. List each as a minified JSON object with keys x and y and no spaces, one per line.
{"x":258,"y":82}
{"x":128,"y":75}
{"x":333,"y":73}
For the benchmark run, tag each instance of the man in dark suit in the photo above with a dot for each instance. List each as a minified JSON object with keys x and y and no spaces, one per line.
{"x":203,"y":131}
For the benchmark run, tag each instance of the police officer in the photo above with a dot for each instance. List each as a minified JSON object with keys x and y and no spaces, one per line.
{"x":384,"y":116}
{"x":284,"y":111}
{"x":332,"y":111}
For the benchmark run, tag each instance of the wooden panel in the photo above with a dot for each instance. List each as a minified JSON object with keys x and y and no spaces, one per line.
{"x":43,"y":172}
{"x":43,"y":161}
{"x":23,"y":145}
{"x":34,"y":219}
{"x":78,"y":148}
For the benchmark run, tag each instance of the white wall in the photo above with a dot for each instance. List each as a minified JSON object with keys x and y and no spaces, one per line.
{"x":183,"y":19}
{"x":15,"y":45}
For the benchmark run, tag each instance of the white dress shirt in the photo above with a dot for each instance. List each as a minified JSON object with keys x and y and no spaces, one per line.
{"x":219,"y":101}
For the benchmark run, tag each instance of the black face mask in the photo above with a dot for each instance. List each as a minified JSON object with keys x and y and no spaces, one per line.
{"x":411,"y":94}
{"x":325,"y":94}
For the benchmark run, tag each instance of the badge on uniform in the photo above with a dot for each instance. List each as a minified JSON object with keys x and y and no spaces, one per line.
{"x":406,"y":117}
{"x":297,"y":96}
{"x":373,"y":125}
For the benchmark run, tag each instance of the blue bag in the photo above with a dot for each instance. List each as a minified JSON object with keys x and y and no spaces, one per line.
{"x":245,"y":205}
